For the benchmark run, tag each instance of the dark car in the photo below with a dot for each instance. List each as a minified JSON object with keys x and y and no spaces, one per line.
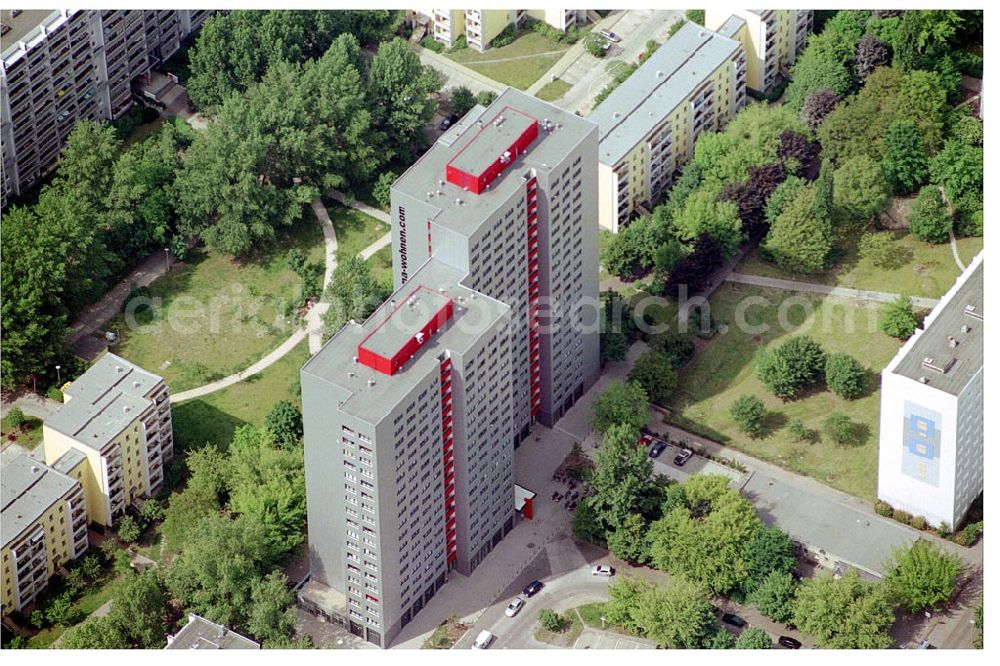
{"x":657,"y":449}
{"x":734,"y":620}
{"x":533,"y":588}
{"x":445,"y":124}
{"x":683,"y":457}
{"x":789,"y":642}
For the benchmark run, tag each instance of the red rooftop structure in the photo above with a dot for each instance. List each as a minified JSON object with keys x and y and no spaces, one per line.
{"x":409,"y":325}
{"x":491,"y":150}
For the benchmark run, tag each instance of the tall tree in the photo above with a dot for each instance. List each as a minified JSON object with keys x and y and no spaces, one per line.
{"x":860,"y":190}
{"x":656,"y":374}
{"x":774,"y":596}
{"x":677,"y":615}
{"x":704,"y":214}
{"x":139,"y":607}
{"x":704,"y":536}
{"x":271,"y":617}
{"x":922,"y":577}
{"x":929,"y":219}
{"x":620,"y":477}
{"x":800,"y":239}
{"x":400,"y":88}
{"x":621,"y":403}
{"x":845,"y":613}
{"x":753,"y":638}
{"x":905,"y":162}
{"x":870,"y":54}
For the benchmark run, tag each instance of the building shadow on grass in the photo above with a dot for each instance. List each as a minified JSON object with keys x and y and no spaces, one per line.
{"x":198,"y":423}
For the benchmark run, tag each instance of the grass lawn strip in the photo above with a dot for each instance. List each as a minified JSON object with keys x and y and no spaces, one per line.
{"x":355,"y":230}
{"x":924,"y":269}
{"x":726,"y":369}
{"x":553,"y":90}
{"x":96,"y":595}
{"x":518,"y":64}
{"x":564,"y":638}
{"x":213,"y":418}
{"x":28,"y":436}
{"x":215,"y":315}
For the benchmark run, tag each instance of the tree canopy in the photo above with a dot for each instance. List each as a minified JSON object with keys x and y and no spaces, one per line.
{"x":621,"y":403}
{"x":922,"y":576}
{"x":844,"y":613}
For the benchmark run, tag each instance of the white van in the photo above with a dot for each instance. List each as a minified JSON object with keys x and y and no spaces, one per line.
{"x":483,"y":640}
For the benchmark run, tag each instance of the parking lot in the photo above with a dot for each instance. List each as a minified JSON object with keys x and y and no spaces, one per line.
{"x":664,"y":464}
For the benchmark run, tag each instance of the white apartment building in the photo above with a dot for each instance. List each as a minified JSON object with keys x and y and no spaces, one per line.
{"x":771,"y":38}
{"x":930,"y":460}
{"x":60,"y":66}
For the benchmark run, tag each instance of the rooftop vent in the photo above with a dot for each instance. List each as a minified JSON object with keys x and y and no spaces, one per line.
{"x":355,"y":359}
{"x":119,"y":369}
{"x":659,"y":73}
{"x":34,"y":469}
{"x":352,"y":374}
{"x":419,"y":337}
{"x":923,"y":380}
{"x":371,"y":382}
{"x":499,"y":121}
{"x":952,"y":341}
{"x":127,"y":409}
{"x":135,"y":384}
{"x":965,"y":328}
{"x":972,"y":312}
{"x":938,"y":366}
{"x":615,"y":114}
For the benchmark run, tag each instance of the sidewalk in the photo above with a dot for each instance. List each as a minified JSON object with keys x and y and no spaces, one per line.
{"x":843,"y":292}
{"x":96,"y":315}
{"x":342,"y":198}
{"x":456,"y":74}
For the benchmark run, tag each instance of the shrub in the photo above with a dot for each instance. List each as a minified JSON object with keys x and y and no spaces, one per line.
{"x":54,"y":394}
{"x":460,"y":43}
{"x":429,"y":42}
{"x":901,"y":516}
{"x":883,"y":508}
{"x":128,"y":529}
{"x":550,"y":620}
{"x":151,"y":511}
{"x":505,"y":38}
{"x":657,"y":376}
{"x":753,"y":638}
{"x":943,"y":530}
{"x":840,"y":429}
{"x":799,"y":431}
{"x":594,"y":45}
{"x":678,"y":347}
{"x":485,"y":97}
{"x":15,"y":418}
{"x":795,"y":364}
{"x":748,"y":412}
{"x":918,"y":522}
{"x":970,"y":533}
{"x":898,"y":319}
{"x":462,"y":101}
{"x":695,"y":16}
{"x":382,"y":191}
{"x":845,"y":376}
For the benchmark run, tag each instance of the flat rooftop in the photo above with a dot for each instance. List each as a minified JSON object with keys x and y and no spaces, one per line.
{"x":949,"y":350}
{"x":490,"y":141}
{"x":841,"y":531}
{"x":406,"y":320}
{"x":373,"y":394}
{"x":22,"y":24}
{"x":202,"y":634}
{"x":463,"y":211}
{"x":28,"y":488}
{"x":103,"y":401}
{"x":731,"y":26}
{"x":665,"y":80}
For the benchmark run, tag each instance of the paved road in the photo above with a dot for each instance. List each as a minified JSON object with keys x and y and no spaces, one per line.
{"x":844,"y":292}
{"x":455,"y":74}
{"x":589,"y":75}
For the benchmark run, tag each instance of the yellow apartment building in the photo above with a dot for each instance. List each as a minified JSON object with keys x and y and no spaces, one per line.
{"x":694,"y":83}
{"x":772,"y":38}
{"x":481,"y":26}
{"x":117,"y":416}
{"x":43,"y":521}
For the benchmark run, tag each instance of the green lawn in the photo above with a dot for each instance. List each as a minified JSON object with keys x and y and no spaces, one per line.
{"x":518,"y":64}
{"x":553,"y":90}
{"x":591,"y":614}
{"x":565,"y":638}
{"x":28,"y":436}
{"x":213,"y":418}
{"x":143,"y":132}
{"x":93,"y":598}
{"x":215,"y":314}
{"x":725,"y":369}
{"x":381,"y":263}
{"x":355,"y":230}
{"x":923,"y":269}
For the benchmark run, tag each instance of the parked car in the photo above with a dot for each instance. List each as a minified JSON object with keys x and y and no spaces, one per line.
{"x":445,"y":124}
{"x":483,"y":640}
{"x":683,"y":457}
{"x":657,"y":449}
{"x":646,"y":439}
{"x":734,"y":620}
{"x":610,"y":36}
{"x":925,"y":645}
{"x":602,"y":570}
{"x":789,"y":642}
{"x":532,"y":588}
{"x":514,"y":607}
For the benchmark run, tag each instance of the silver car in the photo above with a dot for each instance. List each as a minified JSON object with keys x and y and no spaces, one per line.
{"x":514,"y":607}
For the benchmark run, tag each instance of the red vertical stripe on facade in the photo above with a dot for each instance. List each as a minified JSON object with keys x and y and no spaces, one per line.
{"x":531,"y":197}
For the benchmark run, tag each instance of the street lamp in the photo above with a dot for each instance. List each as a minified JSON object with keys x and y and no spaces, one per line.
{"x":58,"y":375}
{"x":166,"y":255}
